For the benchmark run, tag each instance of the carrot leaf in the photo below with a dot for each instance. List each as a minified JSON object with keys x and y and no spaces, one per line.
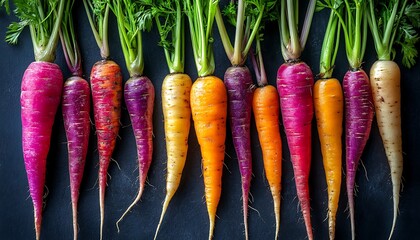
{"x":201,"y":14}
{"x":246,"y":16}
{"x":392,"y":23}
{"x":130,"y":27}
{"x":43,"y":19}
{"x":69,"y":43}
{"x":170,"y":23}
{"x":331,"y":38}
{"x":98,"y":13}
{"x":291,"y":44}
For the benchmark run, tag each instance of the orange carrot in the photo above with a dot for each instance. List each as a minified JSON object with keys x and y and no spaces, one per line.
{"x":209,"y":110}
{"x":265,"y":106}
{"x":208,"y":99}
{"x":328,"y":103}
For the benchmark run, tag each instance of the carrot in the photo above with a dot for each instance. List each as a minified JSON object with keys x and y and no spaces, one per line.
{"x":176,"y":88}
{"x":209,"y":110}
{"x":239,"y":84}
{"x":106,"y":85}
{"x":139,"y":92}
{"x":265,"y":105}
{"x":41,"y":88}
{"x":76,"y":111}
{"x":328,"y":103}
{"x":385,"y":79}
{"x":357,"y":95}
{"x":294,"y":85}
{"x":106,"y":81}
{"x":208,"y":103}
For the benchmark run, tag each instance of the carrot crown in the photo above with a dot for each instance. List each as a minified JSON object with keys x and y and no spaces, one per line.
{"x":170,"y":23}
{"x":291,"y":45}
{"x":69,"y":42}
{"x":331,"y":38}
{"x":246,"y":16}
{"x":395,"y":22}
{"x":44,"y":19}
{"x":97,"y":12}
{"x":201,"y":15}
{"x":130,"y":28}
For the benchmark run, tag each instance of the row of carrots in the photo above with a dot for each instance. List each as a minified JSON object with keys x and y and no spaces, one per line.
{"x":212,"y":102}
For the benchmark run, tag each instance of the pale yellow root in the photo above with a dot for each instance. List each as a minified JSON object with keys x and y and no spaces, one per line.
{"x":385,"y":83}
{"x":136,"y":200}
{"x":177,"y":119}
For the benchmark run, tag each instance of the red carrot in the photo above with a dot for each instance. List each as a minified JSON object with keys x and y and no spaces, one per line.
{"x":76,"y":111}
{"x":294,"y":84}
{"x":106,"y":84}
{"x":41,"y":90}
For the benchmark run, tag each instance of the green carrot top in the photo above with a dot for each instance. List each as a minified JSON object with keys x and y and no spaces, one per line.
{"x":69,"y":43}
{"x":355,"y":30}
{"x":331,"y":38}
{"x":170,"y":23}
{"x":269,"y":14}
{"x":6,"y":5}
{"x":393,"y":22}
{"x":98,"y":13}
{"x":44,"y":19}
{"x":130,"y":27}
{"x":246,"y":15}
{"x":201,"y":15}
{"x":291,"y":45}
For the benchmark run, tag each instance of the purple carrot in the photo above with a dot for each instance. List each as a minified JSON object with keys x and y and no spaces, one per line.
{"x":359,"y":114}
{"x":294,"y":84}
{"x":240,"y":88}
{"x":139,"y":95}
{"x":76,"y":111}
{"x":76,"y":116}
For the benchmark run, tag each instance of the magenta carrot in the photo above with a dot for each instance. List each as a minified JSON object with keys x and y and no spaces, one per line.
{"x":294,"y":84}
{"x":106,"y":85}
{"x":76,"y":111}
{"x":41,"y":89}
{"x":357,"y":95}
{"x":139,"y":92}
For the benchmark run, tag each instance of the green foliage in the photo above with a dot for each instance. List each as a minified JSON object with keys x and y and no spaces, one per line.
{"x":6,"y":5}
{"x":43,"y":17}
{"x":395,"y":22}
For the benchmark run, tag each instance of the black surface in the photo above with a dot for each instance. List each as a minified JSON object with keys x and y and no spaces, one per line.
{"x":186,"y":217}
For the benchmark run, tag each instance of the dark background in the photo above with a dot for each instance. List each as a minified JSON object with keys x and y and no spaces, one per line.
{"x":186,"y":217}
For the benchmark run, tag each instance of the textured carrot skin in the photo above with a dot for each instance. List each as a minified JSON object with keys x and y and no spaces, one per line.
{"x":76,"y":115}
{"x":265,"y":105}
{"x":294,"y":84}
{"x":106,"y":85}
{"x":328,"y":103}
{"x":176,"y":109}
{"x":41,"y":88}
{"x":385,"y":80}
{"x":359,"y":114}
{"x":239,"y":87}
{"x":209,"y":111}
{"x":139,"y":95}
